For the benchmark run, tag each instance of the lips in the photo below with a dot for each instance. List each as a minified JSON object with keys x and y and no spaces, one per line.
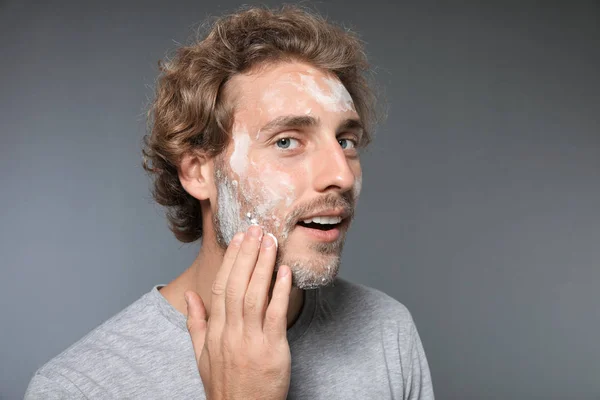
{"x":324,"y":220}
{"x":329,"y":216}
{"x":322,"y":233}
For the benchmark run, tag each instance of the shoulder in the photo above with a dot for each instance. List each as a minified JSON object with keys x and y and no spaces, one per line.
{"x":61,"y":375}
{"x":362,"y":315}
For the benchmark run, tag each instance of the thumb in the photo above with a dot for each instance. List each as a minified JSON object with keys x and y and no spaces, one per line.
{"x":196,"y":321}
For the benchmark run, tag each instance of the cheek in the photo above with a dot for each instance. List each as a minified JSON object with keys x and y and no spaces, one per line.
{"x":279,"y":186}
{"x":278,"y":189}
{"x":357,"y":186}
{"x":238,"y":161}
{"x":268,"y":193}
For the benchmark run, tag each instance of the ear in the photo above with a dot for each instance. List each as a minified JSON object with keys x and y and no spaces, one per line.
{"x":196,"y":175}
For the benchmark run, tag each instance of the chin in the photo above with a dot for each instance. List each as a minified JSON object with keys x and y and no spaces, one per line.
{"x":313,"y":264}
{"x":313,"y":273}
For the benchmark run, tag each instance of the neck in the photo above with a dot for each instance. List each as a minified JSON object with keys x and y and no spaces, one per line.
{"x":200,"y":276}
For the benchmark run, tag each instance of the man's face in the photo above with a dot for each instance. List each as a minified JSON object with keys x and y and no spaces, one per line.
{"x":292,"y":167}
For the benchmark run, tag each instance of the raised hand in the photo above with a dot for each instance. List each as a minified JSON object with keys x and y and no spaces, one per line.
{"x":242,"y":350}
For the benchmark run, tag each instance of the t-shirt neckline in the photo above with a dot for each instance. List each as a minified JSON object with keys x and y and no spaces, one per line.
{"x":307,"y":313}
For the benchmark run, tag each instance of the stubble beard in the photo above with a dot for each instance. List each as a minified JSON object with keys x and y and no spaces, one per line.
{"x":307,"y":273}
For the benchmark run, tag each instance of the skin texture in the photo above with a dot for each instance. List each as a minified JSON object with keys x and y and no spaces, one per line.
{"x":242,"y":294}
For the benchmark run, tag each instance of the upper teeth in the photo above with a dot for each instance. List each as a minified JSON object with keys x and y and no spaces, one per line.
{"x":323,"y":220}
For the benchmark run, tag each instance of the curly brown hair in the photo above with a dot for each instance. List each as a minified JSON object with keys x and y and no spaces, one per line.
{"x":188,"y":113}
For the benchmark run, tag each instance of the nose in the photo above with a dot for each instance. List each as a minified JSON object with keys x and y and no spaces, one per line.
{"x":332,"y":170}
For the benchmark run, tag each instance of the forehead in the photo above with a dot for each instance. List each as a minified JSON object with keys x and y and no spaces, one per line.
{"x":289,"y":88}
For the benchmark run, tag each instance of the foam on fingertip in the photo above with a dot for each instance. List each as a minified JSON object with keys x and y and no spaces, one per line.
{"x":274,"y":239}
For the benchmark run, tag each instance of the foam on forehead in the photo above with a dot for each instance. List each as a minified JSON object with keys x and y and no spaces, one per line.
{"x":333,"y":97}
{"x":327,"y":91}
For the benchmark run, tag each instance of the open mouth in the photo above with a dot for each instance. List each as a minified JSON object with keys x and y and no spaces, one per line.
{"x":322,"y":223}
{"x":321,"y":227}
{"x":326,"y":229}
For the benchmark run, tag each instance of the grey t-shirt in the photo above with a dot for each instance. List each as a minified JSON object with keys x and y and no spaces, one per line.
{"x":349,"y":342}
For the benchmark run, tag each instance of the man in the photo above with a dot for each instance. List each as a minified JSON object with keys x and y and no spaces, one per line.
{"x":254,"y":147}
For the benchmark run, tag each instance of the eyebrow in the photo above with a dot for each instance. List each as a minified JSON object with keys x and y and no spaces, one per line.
{"x":307,"y":121}
{"x":290,"y":121}
{"x":351,"y":124}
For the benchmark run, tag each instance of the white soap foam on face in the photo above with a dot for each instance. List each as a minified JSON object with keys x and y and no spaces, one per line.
{"x":276,"y":221}
{"x":251,"y":219}
{"x":275,"y":188}
{"x":331,"y":94}
{"x":267,"y":189}
{"x":340,"y":94}
{"x":280,"y":184}
{"x":336,"y":99}
{"x":228,"y":210}
{"x":274,"y":99}
{"x":239,"y":157}
{"x":268,"y":193}
{"x":264,"y":190}
{"x":357,"y":187}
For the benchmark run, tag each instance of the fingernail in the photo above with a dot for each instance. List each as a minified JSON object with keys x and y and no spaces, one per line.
{"x":271,"y":240}
{"x":255,"y":231}
{"x":268,"y":240}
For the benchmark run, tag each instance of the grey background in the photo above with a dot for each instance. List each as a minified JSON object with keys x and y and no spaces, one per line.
{"x":480,"y":201}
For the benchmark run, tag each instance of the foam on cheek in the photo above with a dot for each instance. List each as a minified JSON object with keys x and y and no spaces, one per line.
{"x":263,"y":189}
{"x":270,"y":190}
{"x":252,"y":220}
{"x":239,"y":157}
{"x":357,"y":187}
{"x":228,"y":211}
{"x":336,"y":98}
{"x":280,"y":184}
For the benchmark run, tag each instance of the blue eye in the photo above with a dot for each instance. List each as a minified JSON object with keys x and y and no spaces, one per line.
{"x":287,"y":143}
{"x":347,"y":143}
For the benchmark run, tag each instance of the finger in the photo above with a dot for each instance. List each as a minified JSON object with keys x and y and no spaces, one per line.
{"x":240,"y":275}
{"x":256,"y":299}
{"x":196,"y":321}
{"x":275,"y":325}
{"x":217,"y":303}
